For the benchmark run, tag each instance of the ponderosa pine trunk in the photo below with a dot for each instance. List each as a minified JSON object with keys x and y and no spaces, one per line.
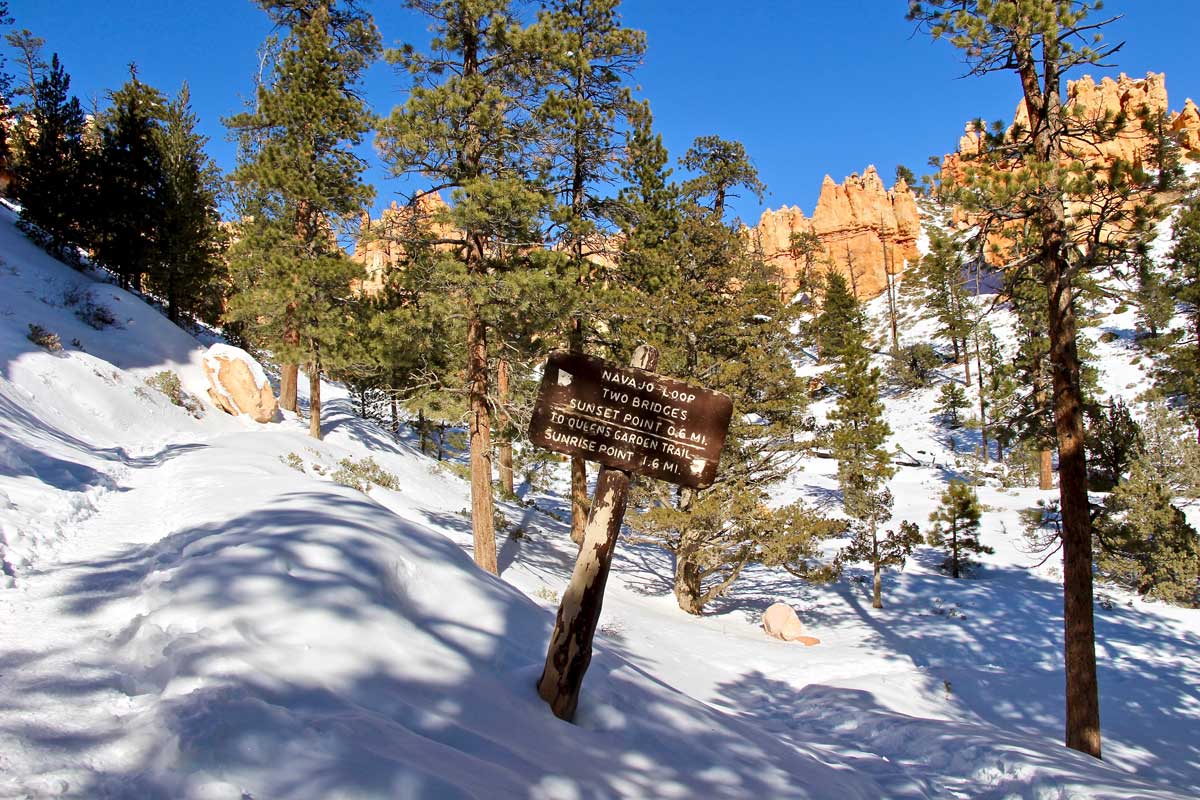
{"x":507,"y":487}
{"x":288,"y":375}
{"x":480,"y":429}
{"x":877,"y":573}
{"x":314,"y":397}
{"x":1082,"y":688}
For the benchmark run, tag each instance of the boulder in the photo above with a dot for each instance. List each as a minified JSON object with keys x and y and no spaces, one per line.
{"x":238,"y":384}
{"x":780,"y":621}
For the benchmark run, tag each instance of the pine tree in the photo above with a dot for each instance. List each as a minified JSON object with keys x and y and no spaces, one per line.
{"x":1033,"y":176}
{"x":720,"y":166}
{"x":940,"y":275}
{"x":190,"y":273}
{"x":130,"y":183}
{"x":1114,"y":440}
{"x":1143,"y":542}
{"x":50,"y":174}
{"x":859,"y":436}
{"x":955,"y":527}
{"x":1153,"y":299}
{"x":842,"y":317}
{"x":712,"y":308}
{"x":6,"y":102}
{"x":886,"y":550}
{"x":588,"y":105}
{"x":297,"y":178}
{"x":1168,"y":454}
{"x":950,"y":403}
{"x":470,"y":126}
{"x":1179,"y":374}
{"x":34,"y":68}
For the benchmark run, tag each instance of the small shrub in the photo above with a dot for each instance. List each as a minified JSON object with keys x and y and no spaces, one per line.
{"x":547,"y":594}
{"x":74,"y":295}
{"x":913,"y":367}
{"x":361,"y":474}
{"x":96,"y":316}
{"x":169,"y":384}
{"x":44,"y":338}
{"x":1109,"y":336}
{"x":294,"y":461}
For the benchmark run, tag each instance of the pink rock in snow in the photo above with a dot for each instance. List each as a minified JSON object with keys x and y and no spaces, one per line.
{"x":780,"y":621}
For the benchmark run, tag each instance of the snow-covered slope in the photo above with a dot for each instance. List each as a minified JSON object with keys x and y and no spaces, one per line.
{"x":194,"y":609}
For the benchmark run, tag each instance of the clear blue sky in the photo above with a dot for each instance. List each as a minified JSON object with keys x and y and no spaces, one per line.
{"x":810,"y":88}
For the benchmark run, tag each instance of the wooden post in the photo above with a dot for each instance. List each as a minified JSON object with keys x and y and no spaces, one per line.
{"x":570,"y":650}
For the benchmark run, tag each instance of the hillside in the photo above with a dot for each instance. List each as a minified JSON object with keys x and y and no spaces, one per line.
{"x":196,"y":609}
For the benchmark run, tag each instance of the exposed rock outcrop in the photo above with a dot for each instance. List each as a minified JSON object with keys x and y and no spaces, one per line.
{"x":1135,"y":100}
{"x":238,"y":384}
{"x":865,"y":231}
{"x":380,"y":245}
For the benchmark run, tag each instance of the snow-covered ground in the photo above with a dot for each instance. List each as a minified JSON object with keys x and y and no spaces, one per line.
{"x":192,"y":608}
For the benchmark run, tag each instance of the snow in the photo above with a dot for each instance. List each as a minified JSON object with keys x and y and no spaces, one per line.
{"x":194,"y":609}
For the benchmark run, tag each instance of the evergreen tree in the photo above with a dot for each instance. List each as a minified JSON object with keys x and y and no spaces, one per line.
{"x":6,"y":101}
{"x":951,"y":402}
{"x":717,"y":319}
{"x":588,"y":106}
{"x":720,"y":166}
{"x":49,"y":179}
{"x":470,"y":126}
{"x":130,"y":197}
{"x":842,"y":318}
{"x":940,"y":275}
{"x":190,"y":273}
{"x":1179,"y":374}
{"x":297,"y":178}
{"x":859,"y":435}
{"x":886,"y":550}
{"x":905,"y":175}
{"x":1114,"y":440}
{"x":1143,"y":542}
{"x":1034,"y":176}
{"x":1155,"y":303}
{"x":1168,"y":454}
{"x":955,"y":527}
{"x":33,"y":67}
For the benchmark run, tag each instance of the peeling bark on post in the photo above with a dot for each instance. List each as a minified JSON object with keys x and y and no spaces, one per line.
{"x":570,"y":650}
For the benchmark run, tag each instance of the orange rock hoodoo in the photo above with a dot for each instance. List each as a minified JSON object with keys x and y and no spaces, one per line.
{"x":858,"y":222}
{"x":1135,"y":99}
{"x":379,"y":247}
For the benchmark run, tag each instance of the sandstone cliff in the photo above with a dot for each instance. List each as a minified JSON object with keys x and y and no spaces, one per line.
{"x":860,"y":225}
{"x":380,"y":247}
{"x":1133,"y":99}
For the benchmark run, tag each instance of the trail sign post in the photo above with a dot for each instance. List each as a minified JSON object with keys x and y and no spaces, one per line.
{"x":631,"y":420}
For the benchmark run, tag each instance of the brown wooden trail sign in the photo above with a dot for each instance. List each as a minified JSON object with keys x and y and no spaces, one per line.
{"x":630,"y":420}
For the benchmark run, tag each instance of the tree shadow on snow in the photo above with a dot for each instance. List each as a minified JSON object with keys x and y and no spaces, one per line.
{"x":443,"y":707}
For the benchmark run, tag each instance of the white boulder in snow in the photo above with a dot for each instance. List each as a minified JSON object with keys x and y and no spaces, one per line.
{"x":780,"y":621}
{"x":238,"y":384}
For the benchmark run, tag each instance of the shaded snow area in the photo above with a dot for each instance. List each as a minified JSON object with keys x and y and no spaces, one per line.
{"x":193,"y":609}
